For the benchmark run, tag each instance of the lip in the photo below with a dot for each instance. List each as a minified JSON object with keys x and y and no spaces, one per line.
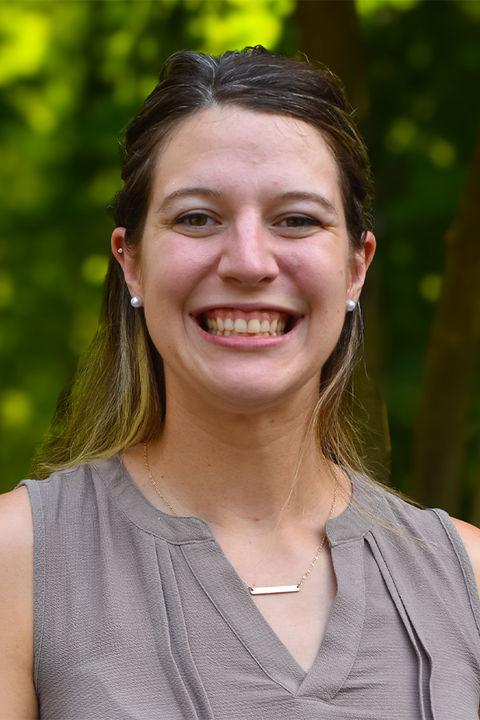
{"x":244,"y":342}
{"x":247,"y":307}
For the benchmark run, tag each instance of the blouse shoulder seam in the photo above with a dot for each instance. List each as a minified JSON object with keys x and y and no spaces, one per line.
{"x":464,"y":562}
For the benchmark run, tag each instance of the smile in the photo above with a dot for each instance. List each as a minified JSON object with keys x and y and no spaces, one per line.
{"x":226,"y":322}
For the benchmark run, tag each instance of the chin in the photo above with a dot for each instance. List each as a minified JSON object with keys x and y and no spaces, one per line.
{"x":249,"y":397}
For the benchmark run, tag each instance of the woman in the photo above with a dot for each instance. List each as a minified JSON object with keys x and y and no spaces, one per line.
{"x":205,"y":545}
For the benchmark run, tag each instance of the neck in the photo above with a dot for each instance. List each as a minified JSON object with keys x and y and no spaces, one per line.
{"x":241,"y":471}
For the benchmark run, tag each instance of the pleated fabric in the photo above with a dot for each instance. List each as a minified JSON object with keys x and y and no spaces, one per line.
{"x":139,"y":615}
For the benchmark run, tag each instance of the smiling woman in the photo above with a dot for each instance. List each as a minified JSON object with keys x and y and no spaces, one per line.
{"x":244,"y":562}
{"x":260,"y":238}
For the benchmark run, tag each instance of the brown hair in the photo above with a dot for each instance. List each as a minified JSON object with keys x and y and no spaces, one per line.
{"x":118,"y":396}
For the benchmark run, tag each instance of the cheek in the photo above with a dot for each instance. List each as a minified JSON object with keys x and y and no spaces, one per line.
{"x":322,"y":276}
{"x":323,"y":281}
{"x":171,"y":274}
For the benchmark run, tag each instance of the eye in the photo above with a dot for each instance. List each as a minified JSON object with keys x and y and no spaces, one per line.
{"x":194,"y":220}
{"x":298,"y":221}
{"x":295,"y":226}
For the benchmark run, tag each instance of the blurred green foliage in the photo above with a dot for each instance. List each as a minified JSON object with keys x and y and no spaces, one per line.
{"x":73,"y":73}
{"x":423,"y":72}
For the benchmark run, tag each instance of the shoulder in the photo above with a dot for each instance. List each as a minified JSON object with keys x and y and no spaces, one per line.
{"x":65,"y":489}
{"x":470,"y":536}
{"x":16,"y":604}
{"x":16,"y":543}
{"x":16,"y":532}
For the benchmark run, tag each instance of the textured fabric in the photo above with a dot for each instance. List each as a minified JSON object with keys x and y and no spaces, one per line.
{"x":139,"y":615}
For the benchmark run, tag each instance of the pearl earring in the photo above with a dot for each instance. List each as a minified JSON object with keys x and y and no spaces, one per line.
{"x":136,"y":301}
{"x":351,"y":305}
{"x":120,"y":250}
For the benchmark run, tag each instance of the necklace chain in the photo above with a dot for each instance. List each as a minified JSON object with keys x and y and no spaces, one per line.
{"x":319,"y":548}
{"x":152,"y":480}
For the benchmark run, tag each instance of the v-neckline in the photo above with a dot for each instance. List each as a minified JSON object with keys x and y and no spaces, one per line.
{"x":338,"y":647}
{"x":227,"y":592}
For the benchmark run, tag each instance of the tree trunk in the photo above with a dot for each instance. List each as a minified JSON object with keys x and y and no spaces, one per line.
{"x":452,"y":361}
{"x":329,"y":32}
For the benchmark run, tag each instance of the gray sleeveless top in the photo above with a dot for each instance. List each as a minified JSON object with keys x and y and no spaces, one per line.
{"x":140,"y":616}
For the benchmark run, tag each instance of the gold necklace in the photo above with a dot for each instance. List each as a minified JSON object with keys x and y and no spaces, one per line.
{"x":267,"y":589}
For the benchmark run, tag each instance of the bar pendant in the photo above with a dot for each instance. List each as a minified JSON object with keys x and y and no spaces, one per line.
{"x":273,"y":589}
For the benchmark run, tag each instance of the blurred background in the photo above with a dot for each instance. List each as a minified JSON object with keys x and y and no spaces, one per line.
{"x":71,"y":76}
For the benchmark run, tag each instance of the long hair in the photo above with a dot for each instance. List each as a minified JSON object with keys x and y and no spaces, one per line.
{"x":118,"y":395}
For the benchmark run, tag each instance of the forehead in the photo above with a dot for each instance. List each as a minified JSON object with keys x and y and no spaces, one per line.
{"x":244,"y":149}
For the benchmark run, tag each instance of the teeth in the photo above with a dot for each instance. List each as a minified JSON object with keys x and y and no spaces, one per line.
{"x":227,"y":322}
{"x":240,"y":325}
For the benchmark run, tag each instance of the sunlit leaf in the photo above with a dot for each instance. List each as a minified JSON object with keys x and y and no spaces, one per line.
{"x":94,"y":269}
{"x":430,"y":287}
{"x":368,"y":7}
{"x":15,"y":408}
{"x":25,"y":37}
{"x":104,"y":186}
{"x":233,"y":24}
{"x":401,"y":135}
{"x":471,"y":8}
{"x":442,"y":153}
{"x":39,"y":115}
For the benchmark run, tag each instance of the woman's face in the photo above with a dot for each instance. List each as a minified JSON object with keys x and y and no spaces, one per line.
{"x":245,"y":263}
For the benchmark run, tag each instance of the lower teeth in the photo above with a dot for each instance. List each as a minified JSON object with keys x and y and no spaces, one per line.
{"x":228,"y":333}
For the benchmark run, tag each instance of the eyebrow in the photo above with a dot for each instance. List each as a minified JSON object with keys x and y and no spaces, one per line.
{"x":209,"y":192}
{"x":183,"y":192}
{"x":312,"y":197}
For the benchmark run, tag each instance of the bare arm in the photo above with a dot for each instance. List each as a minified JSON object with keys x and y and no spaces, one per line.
{"x":17,"y":693}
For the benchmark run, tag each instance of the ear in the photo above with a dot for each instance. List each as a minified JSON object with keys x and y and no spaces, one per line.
{"x":128,"y":259}
{"x":360,"y":259}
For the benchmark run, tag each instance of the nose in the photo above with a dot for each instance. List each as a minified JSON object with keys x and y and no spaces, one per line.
{"x":247,"y":254}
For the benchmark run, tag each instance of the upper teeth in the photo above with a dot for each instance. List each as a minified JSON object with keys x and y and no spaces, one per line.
{"x":253,"y":327}
{"x":233,"y":321}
